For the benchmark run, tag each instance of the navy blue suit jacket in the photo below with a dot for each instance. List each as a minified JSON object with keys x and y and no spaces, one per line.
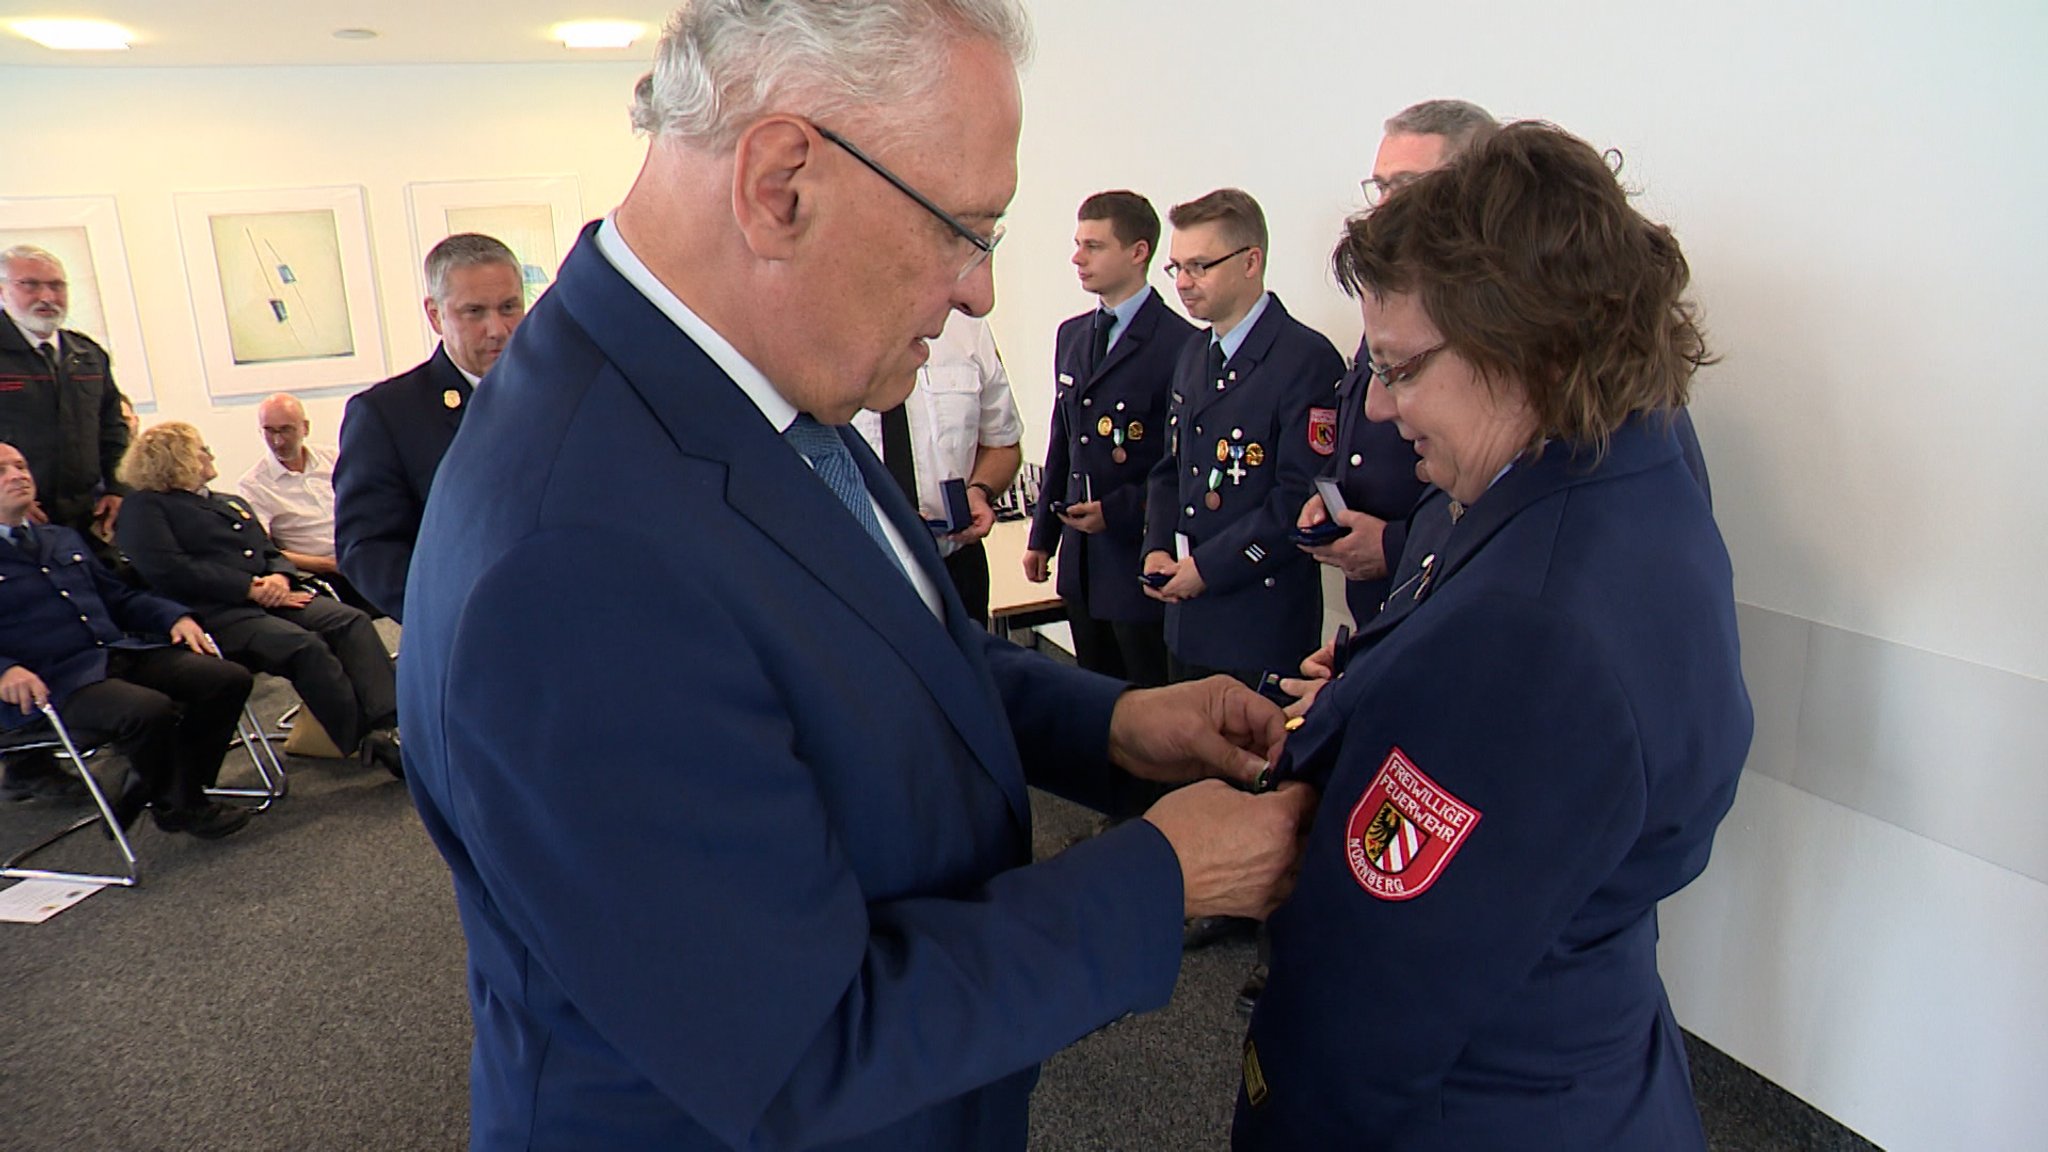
{"x":60,"y":611}
{"x":1263,"y":607}
{"x":739,"y":832}
{"x":393,"y":436}
{"x":1131,"y":388}
{"x":1557,"y":700}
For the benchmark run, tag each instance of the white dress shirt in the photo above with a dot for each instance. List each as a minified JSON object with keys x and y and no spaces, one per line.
{"x":296,"y":508}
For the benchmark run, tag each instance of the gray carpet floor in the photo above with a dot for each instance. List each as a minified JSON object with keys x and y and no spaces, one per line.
{"x":300,"y":986}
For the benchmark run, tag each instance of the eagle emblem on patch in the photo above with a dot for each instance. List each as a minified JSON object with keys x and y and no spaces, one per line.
{"x":1404,"y":831}
{"x":1322,"y":431}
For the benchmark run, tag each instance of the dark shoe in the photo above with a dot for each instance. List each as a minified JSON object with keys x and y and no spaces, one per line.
{"x":380,"y":750}
{"x":1206,"y":930}
{"x":1254,"y":987}
{"x":17,"y":788}
{"x":209,"y":821}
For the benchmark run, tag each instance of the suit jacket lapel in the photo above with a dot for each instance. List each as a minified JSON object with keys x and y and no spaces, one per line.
{"x":444,"y":377}
{"x":1134,"y":337}
{"x":706,"y":415}
{"x":1244,"y":362}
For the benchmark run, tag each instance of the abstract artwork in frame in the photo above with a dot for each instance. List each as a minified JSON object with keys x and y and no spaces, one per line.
{"x":84,"y":234}
{"x":282,"y":289}
{"x":537,"y":218}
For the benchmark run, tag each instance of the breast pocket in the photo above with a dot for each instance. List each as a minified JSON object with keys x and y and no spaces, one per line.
{"x":952,"y":395}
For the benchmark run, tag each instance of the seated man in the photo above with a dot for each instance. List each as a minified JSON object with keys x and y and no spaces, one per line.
{"x":208,"y":551}
{"x":291,"y":490}
{"x":171,"y":711}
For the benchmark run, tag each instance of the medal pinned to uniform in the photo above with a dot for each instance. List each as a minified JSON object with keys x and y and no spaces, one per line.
{"x":1103,"y":426}
{"x":451,"y":399}
{"x":1214,"y":499}
{"x":1135,"y":432}
{"x":1222,"y":451}
{"x":1236,"y":470}
{"x":1254,"y":455}
{"x":1117,"y":453}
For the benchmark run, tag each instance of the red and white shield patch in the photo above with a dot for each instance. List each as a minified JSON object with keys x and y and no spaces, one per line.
{"x":1404,"y":831}
{"x":1322,"y":430}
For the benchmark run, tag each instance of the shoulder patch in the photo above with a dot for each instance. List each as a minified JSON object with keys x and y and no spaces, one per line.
{"x":1322,"y":430}
{"x":1404,"y":831}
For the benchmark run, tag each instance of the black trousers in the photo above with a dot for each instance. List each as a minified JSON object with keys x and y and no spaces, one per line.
{"x":332,"y":655}
{"x":1133,"y":652}
{"x":170,"y":711}
{"x":1180,"y":671}
{"x":969,"y":569}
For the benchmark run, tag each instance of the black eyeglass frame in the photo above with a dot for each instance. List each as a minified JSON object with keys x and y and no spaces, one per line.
{"x":1200,"y":268}
{"x":984,"y":246}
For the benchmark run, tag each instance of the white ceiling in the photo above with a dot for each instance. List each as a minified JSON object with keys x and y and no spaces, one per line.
{"x":236,"y":33}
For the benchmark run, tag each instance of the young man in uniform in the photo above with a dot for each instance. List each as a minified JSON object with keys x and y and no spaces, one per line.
{"x":1114,"y":368}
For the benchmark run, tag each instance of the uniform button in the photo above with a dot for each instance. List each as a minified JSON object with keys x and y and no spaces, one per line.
{"x":1195,"y":471}
{"x":1269,"y":581}
{"x":1087,"y":401}
{"x":1356,"y":459}
{"x":101,"y":643}
{"x":1084,"y":439}
{"x":83,"y":620}
{"x":246,"y":552}
{"x":238,"y":527}
{"x":64,"y":594}
{"x":1190,"y":512}
{"x":1219,"y":385}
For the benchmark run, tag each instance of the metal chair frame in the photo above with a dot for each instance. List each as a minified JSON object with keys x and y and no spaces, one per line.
{"x":61,"y":739}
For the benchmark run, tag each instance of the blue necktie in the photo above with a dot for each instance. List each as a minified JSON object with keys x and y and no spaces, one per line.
{"x":833,"y":462}
{"x":23,"y":537}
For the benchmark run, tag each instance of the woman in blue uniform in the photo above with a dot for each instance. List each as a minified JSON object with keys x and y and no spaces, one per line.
{"x":1533,"y":743}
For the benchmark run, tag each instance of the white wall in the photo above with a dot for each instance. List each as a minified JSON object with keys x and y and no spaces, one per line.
{"x":142,"y":135}
{"x":1858,"y":188}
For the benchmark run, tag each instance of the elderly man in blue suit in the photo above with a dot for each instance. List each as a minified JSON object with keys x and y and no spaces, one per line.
{"x":394,"y":434}
{"x":811,"y":919}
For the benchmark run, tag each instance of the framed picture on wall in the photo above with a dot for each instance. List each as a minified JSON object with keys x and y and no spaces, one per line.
{"x":84,"y":234}
{"x":537,"y":218}
{"x":281,"y":289}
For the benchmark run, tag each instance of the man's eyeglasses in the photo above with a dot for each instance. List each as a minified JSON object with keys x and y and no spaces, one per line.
{"x":984,"y":246}
{"x":32,"y":287}
{"x":1196,"y":269}
{"x":1377,"y":189}
{"x":1406,"y":370}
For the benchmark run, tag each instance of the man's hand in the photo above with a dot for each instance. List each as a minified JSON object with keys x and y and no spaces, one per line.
{"x":307,"y":562}
{"x":1239,"y":853}
{"x":1212,"y":727}
{"x":1085,"y":517}
{"x":296,"y":598}
{"x":983,"y":517}
{"x":107,"y":510}
{"x":1187,"y":582}
{"x":1036,"y":566}
{"x":1359,"y":553}
{"x":36,"y":515}
{"x":23,"y":689}
{"x":188,"y":632}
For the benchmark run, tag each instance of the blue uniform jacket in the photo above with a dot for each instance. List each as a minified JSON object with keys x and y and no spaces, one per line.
{"x":204,"y":550}
{"x":1130,"y":391}
{"x":1375,"y":469}
{"x":1255,"y":439}
{"x":1531,"y":746}
{"x":60,"y":611}
{"x":393,"y":436}
{"x":739,"y":829}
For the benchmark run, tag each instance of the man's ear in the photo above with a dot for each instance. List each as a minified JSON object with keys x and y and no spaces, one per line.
{"x":433,"y":314}
{"x":1142,"y":253}
{"x":773,"y":176}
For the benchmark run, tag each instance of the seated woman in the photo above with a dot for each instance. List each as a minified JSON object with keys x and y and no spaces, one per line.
{"x":1535,"y":740}
{"x":206,"y":550}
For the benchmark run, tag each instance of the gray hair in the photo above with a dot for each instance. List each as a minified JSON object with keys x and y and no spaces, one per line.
{"x":724,"y":63}
{"x":28,"y":252}
{"x":1460,"y":122}
{"x":464,"y":250}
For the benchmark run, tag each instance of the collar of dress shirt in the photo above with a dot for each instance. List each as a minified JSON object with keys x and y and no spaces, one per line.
{"x":1234,"y":339}
{"x":778,"y":411}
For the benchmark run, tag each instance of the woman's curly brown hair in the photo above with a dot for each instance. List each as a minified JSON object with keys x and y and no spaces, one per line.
{"x":1527,"y":257}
